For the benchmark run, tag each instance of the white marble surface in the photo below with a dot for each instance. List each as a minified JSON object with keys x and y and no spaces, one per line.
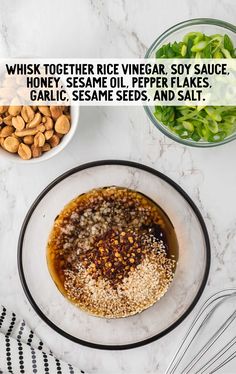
{"x":118,"y":28}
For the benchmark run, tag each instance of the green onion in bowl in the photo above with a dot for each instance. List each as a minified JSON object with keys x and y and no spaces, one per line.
{"x":210,"y":123}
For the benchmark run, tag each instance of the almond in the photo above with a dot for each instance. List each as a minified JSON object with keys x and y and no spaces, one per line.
{"x":48,"y":134}
{"x":6,"y":131}
{"x":11,"y":144}
{"x":3,"y":109}
{"x":14,"y":110}
{"x":26,"y":132}
{"x":28,"y":139}
{"x":41,"y":128}
{"x":46,"y":147}
{"x":24,"y":151}
{"x":48,"y":123}
{"x":56,"y":111}
{"x":59,"y":135}
{"x":27,"y":113}
{"x":62,"y":125}
{"x":7,"y":120}
{"x":35,"y":121}
{"x":39,"y":140}
{"x":54,"y":141}
{"x":18,"y":123}
{"x":45,"y":111}
{"x":36,"y":151}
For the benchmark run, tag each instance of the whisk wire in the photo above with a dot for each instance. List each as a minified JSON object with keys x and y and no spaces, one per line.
{"x":217,"y":356}
{"x":210,"y":342}
{"x":205,"y":316}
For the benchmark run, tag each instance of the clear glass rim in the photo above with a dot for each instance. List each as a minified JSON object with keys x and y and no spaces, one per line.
{"x":154,"y":45}
{"x":137,"y":166}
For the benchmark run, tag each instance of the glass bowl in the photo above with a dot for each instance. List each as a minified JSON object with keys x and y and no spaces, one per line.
{"x":122,"y":333}
{"x":208,"y":26}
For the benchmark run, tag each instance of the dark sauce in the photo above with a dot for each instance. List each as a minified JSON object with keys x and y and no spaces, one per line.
{"x":162,"y":229}
{"x":165,"y":231}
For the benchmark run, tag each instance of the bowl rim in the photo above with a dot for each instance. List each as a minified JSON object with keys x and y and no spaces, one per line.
{"x":88,"y":166}
{"x":158,"y":41}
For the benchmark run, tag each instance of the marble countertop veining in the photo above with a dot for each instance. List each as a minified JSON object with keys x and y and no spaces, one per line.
{"x":118,"y":28}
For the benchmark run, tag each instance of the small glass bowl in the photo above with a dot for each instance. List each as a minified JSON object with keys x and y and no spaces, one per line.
{"x":207,"y":26}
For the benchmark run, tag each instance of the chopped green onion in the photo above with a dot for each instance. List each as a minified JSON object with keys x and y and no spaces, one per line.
{"x":199,"y":46}
{"x":209,"y":123}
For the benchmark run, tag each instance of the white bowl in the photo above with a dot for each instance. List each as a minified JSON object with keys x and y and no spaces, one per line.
{"x":74,"y":111}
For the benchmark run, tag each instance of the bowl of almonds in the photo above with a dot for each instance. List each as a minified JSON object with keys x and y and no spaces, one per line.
{"x":36,"y":133}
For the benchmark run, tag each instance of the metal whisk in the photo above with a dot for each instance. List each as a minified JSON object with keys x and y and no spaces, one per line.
{"x":210,"y":342}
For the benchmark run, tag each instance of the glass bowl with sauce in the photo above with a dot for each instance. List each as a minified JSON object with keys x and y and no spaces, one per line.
{"x":169,"y":227}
